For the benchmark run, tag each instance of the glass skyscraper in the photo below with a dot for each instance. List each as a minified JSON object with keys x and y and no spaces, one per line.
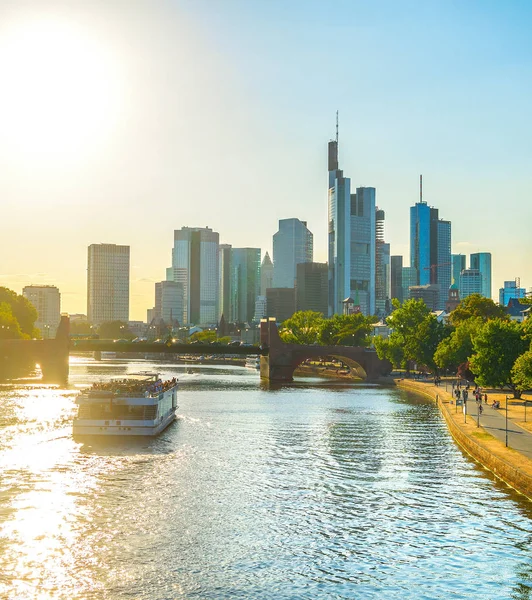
{"x":245,"y":283}
{"x":292,"y":245}
{"x":458,"y":264}
{"x":482,"y":262}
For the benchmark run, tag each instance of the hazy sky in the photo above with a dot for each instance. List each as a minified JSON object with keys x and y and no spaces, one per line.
{"x":122,"y":121}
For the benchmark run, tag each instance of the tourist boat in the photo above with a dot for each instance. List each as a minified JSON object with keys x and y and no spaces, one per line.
{"x":141,"y":405}
{"x":253,"y":362}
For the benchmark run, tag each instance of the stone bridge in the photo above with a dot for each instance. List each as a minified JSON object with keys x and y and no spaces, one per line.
{"x":282,"y":359}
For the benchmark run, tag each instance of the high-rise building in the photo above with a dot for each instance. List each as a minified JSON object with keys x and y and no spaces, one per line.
{"x":510,"y":290}
{"x":292,"y":245}
{"x":195,"y":266}
{"x":470,"y":283}
{"x":339,"y":233}
{"x":430,"y":248}
{"x":363,"y":249}
{"x":382,"y":268}
{"x":47,"y":301}
{"x":108,"y":283}
{"x":266,"y":274}
{"x":245,"y":283}
{"x":169,"y":302}
{"x":430,"y":294}
{"x":458,"y":264}
{"x":409,"y":278}
{"x":482,"y":262}
{"x":312,"y":287}
{"x":281,"y":303}
{"x":396,"y":277}
{"x":224,"y":274}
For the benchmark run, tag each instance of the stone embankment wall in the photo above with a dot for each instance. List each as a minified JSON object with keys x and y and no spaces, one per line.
{"x":497,"y":461}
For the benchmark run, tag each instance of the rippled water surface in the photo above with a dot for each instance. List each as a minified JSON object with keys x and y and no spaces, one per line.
{"x":312,"y":491}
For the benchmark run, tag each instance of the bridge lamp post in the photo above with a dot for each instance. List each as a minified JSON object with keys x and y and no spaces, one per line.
{"x":507,"y":421}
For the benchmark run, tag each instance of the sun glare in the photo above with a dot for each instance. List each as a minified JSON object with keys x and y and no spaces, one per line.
{"x":59,"y":91}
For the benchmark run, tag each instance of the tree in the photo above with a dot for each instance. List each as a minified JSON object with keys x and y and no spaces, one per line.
{"x":416,"y":334}
{"x":80,"y":327}
{"x":205,"y":337}
{"x":476,"y":305}
{"x":522,"y":371}
{"x":496,"y":347}
{"x":347,"y":330}
{"x":23,"y":311}
{"x":389,"y":350}
{"x":458,"y":347}
{"x":303,"y":327}
{"x":9,"y":326}
{"x":115,"y":330}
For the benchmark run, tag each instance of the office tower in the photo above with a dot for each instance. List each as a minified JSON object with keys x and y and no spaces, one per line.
{"x":281,"y":303}
{"x":108,"y":283}
{"x":470,"y":282}
{"x":245,"y":283}
{"x":47,"y":301}
{"x":195,"y":266}
{"x":382,"y":268}
{"x":312,"y":287}
{"x":261,"y":309}
{"x":266,"y":274}
{"x":169,"y":302}
{"x":430,"y":294}
{"x":339,"y":232}
{"x":292,"y":244}
{"x":430,"y":247}
{"x":482,"y":262}
{"x":224,"y":274}
{"x":458,"y":264}
{"x":510,"y":290}
{"x":396,"y":277}
{"x":409,"y":278}
{"x":363,"y":249}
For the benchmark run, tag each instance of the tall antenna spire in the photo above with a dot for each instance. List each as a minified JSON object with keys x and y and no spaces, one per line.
{"x":336,"y":127}
{"x":421,"y":188}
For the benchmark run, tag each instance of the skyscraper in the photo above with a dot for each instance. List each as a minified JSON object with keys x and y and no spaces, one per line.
{"x":396,"y":277}
{"x":339,"y":232}
{"x":482,"y":262}
{"x":169,"y":302}
{"x":224,"y":274}
{"x":470,"y":283}
{"x":458,"y":264}
{"x":382,"y":267}
{"x":47,"y":301}
{"x":266,"y":274}
{"x":195,"y":266}
{"x":245,"y":283}
{"x":107,"y":283}
{"x":312,"y":287}
{"x":430,"y":248}
{"x":510,"y":290}
{"x":292,"y":245}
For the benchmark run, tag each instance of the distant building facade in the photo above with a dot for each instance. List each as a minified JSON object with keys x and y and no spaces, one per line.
{"x":312,"y":287}
{"x":396,"y":278}
{"x":107,"y":283}
{"x":195,"y":266}
{"x":47,"y":301}
{"x":458,"y":264}
{"x":429,"y":293}
{"x":281,"y":303}
{"x":409,"y":278}
{"x":292,"y":245}
{"x":382,"y":268}
{"x":509,"y":291}
{"x":224,"y":274}
{"x":482,"y":262}
{"x":266,"y":274}
{"x":245,"y":283}
{"x":169,"y":302}
{"x":470,"y":283}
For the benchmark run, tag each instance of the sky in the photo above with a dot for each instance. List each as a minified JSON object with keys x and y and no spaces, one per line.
{"x":121,"y":121}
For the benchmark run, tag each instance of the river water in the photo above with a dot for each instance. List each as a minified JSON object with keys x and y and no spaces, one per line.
{"x":315,"y":490}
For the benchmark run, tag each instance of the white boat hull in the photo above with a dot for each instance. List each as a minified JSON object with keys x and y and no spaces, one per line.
{"x":87,"y":427}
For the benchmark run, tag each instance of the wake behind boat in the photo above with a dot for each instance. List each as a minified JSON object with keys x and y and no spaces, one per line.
{"x":141,"y":405}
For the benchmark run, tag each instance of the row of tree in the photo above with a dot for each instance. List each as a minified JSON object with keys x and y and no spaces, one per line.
{"x":17,"y":316}
{"x":479,"y":343}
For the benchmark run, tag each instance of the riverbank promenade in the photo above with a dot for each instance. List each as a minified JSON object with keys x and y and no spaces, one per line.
{"x":484,"y":436}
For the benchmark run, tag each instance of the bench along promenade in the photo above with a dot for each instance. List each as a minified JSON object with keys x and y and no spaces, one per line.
{"x":277,"y":364}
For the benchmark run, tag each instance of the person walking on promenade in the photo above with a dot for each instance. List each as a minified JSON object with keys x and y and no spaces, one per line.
{"x":485,"y":398}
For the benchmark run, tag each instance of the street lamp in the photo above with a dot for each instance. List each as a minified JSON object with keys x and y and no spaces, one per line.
{"x":507,"y":421}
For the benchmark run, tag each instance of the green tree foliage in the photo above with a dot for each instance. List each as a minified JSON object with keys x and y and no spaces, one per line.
{"x":205,"y":337}
{"x":23,"y":311}
{"x":522,"y":371}
{"x":112,"y":330}
{"x":347,"y":330}
{"x":303,"y":327}
{"x":390,"y":350}
{"x":9,"y":326}
{"x":416,"y":334}
{"x":80,"y":328}
{"x":496,"y":347}
{"x":476,"y":306}
{"x":458,"y":347}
